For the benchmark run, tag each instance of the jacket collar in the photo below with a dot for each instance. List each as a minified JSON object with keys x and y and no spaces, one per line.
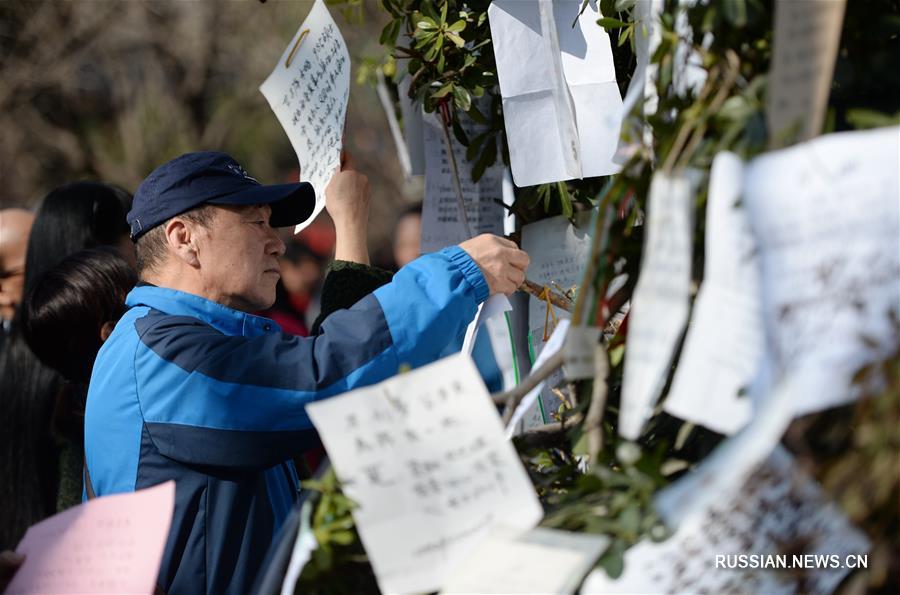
{"x":222,"y":318}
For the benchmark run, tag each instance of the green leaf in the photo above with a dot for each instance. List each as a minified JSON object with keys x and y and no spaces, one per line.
{"x":458,"y":131}
{"x":610,"y":23}
{"x":476,"y":115}
{"x":457,"y":26}
{"x":735,"y":12}
{"x":456,"y":39}
{"x":607,"y":7}
{"x":565,"y":200}
{"x":427,"y":24}
{"x":443,"y":91}
{"x":444,"y":11}
{"x":343,"y":537}
{"x":462,"y":99}
{"x":475,"y":146}
{"x":613,"y":559}
{"x":487,"y":158}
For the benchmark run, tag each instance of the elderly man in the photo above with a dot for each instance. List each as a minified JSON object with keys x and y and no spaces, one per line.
{"x":15,"y":226}
{"x":192,"y":387}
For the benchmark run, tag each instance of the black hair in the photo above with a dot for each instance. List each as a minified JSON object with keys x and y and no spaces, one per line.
{"x":65,"y":309}
{"x":41,"y":413}
{"x":71,"y":218}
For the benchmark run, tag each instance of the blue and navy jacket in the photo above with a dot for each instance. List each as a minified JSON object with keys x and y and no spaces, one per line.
{"x":190,"y":390}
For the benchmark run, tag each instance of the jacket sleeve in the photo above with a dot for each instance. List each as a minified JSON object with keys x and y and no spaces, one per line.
{"x":212,"y":399}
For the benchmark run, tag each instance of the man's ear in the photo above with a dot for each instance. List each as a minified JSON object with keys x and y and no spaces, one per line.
{"x":182,"y":241}
{"x":106,"y":330}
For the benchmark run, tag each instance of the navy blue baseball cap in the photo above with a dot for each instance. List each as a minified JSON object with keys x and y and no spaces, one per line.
{"x":213,"y":178}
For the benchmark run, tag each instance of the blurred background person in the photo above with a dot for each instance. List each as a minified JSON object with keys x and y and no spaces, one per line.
{"x":73,"y":307}
{"x":407,"y":235}
{"x":302,"y":271}
{"x":15,"y":225}
{"x":34,"y":452}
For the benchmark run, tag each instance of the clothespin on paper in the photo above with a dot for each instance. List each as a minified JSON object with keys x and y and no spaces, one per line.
{"x":551,"y":313}
{"x":290,"y":58}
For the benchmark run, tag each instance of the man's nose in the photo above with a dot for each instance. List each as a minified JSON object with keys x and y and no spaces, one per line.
{"x":276,"y":244}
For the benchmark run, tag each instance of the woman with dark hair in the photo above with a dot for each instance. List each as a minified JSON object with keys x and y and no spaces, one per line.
{"x":73,"y":307}
{"x":71,"y":218}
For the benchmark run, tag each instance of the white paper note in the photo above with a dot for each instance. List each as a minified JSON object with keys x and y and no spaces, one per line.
{"x":423,"y":454}
{"x":527,"y":411}
{"x":725,"y":337}
{"x":304,"y":546}
{"x":776,"y":513}
{"x":805,"y":46}
{"x":826,"y":215}
{"x":535,"y":70}
{"x":578,"y":352}
{"x":387,"y":104}
{"x":559,"y":252}
{"x":542,"y":560}
{"x":495,"y":305}
{"x":642,"y":87}
{"x":659,"y":308}
{"x":413,"y":131}
{"x":688,"y":72}
{"x":308,"y":91}
{"x":442,"y":223}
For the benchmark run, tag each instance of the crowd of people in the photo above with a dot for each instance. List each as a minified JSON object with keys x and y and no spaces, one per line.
{"x":175,"y":334}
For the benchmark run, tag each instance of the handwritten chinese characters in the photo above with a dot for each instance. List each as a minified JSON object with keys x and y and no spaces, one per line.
{"x":826,"y":215}
{"x":112,"y":544}
{"x":442,"y":222}
{"x":774,"y":512}
{"x":308,"y":90}
{"x":805,"y":47}
{"x":424,"y":456}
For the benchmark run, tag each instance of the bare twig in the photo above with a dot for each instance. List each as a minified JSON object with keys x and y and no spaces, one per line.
{"x":557,"y":299}
{"x":444,"y":116}
{"x":547,"y":434}
{"x":593,"y":422}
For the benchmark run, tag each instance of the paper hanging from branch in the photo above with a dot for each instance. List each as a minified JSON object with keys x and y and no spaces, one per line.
{"x":642,"y":87}
{"x":771,"y":515}
{"x":826,"y":217}
{"x":424,"y":456}
{"x":659,"y":309}
{"x":558,"y":251}
{"x":805,"y":46}
{"x":542,"y":560}
{"x":442,"y":223}
{"x":308,"y":91}
{"x":725,"y":337}
{"x":561,"y":103}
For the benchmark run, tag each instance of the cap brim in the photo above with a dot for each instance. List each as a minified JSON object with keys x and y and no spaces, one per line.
{"x":291,"y":204}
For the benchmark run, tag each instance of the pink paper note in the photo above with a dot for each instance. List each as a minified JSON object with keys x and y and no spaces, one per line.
{"x":112,"y":544}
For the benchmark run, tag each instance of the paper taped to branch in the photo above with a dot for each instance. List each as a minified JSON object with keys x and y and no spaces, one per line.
{"x":725,"y":337}
{"x":558,"y":251}
{"x":308,"y":91}
{"x":538,"y":561}
{"x":442,"y":223}
{"x":112,"y":544}
{"x":773,"y":511}
{"x":561,"y":103}
{"x":826,"y":217}
{"x":661,"y":301}
{"x":424,"y":456}
{"x":805,"y":46}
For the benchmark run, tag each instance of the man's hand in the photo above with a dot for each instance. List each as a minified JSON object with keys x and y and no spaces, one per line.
{"x":501,"y":262}
{"x":347,"y":201}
